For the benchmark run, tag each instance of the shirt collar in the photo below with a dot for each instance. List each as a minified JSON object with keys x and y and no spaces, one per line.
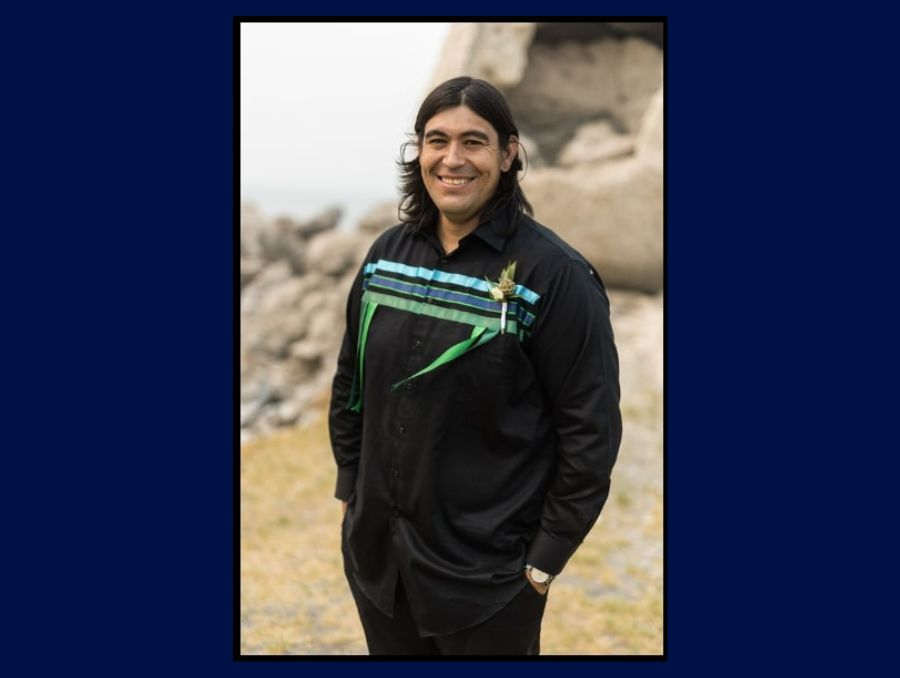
{"x":493,"y":230}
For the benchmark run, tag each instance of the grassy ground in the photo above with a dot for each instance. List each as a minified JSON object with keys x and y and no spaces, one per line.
{"x":294,"y":599}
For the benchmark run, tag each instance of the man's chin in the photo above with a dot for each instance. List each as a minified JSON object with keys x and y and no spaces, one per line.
{"x":457,"y":218}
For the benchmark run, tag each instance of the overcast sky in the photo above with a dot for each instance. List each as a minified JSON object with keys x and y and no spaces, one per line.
{"x":325,"y":106}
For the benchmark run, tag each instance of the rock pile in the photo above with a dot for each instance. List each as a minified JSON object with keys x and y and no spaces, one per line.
{"x":295,"y":277}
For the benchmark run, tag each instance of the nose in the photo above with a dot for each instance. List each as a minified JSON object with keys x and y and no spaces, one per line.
{"x":454,"y":157}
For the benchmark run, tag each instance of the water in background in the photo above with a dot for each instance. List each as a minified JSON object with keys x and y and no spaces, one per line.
{"x":276,"y":201}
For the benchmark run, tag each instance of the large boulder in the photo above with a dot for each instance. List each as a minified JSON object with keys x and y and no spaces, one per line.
{"x":378,"y":218}
{"x":612,"y":213}
{"x":610,"y":209}
{"x":570,"y":83}
{"x":333,"y":252}
{"x":594,"y":142}
{"x":496,"y":52}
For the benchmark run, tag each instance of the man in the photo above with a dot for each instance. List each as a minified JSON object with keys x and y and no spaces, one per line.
{"x":475,"y":410}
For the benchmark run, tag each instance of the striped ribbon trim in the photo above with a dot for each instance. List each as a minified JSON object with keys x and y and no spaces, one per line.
{"x":422,"y":290}
{"x":439,"y":294}
{"x":433,"y":275}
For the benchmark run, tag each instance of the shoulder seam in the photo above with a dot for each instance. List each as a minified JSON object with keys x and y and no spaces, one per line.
{"x":571,"y":254}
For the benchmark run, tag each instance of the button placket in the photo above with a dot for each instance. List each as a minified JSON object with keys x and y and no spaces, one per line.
{"x":428,"y":287}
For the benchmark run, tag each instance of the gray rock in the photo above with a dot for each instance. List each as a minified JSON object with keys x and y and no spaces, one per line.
{"x":377,"y":219}
{"x":334,"y":252}
{"x":588,"y":31}
{"x":306,"y":350}
{"x":288,"y":412}
{"x":273,"y":287}
{"x":611,"y":213}
{"x":651,"y":31}
{"x":271,"y":316}
{"x":570,"y":83}
{"x":250,"y":268}
{"x":282,"y":242}
{"x":650,"y":137}
{"x":531,"y":156}
{"x":496,"y":52}
{"x":325,"y":221}
{"x":595,"y":142}
{"x":252,"y":224}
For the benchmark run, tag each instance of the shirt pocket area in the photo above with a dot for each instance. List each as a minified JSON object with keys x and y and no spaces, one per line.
{"x":495,"y":380}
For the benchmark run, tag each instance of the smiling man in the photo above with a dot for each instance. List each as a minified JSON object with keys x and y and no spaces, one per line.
{"x":461,"y":162}
{"x":475,"y":410}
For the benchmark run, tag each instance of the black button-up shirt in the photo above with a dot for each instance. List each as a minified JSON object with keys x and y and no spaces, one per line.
{"x":459,"y":477}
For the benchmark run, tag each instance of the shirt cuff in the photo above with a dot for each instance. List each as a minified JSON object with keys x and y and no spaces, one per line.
{"x":548,"y":553}
{"x":346,"y":483}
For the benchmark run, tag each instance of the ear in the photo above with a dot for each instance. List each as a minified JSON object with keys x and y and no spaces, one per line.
{"x":509,"y":154}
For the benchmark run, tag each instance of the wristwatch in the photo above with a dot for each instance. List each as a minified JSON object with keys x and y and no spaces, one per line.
{"x":539,"y":576}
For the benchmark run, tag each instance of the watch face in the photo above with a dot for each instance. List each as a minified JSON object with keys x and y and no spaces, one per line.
{"x":538,"y":576}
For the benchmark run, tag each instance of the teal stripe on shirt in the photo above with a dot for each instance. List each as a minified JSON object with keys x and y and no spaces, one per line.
{"x":442,"y":276}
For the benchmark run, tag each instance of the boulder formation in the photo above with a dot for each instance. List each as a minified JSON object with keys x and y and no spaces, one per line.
{"x":295,"y":277}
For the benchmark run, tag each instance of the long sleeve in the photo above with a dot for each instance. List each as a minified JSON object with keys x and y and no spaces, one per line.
{"x":574,"y":353}
{"x":345,"y":426}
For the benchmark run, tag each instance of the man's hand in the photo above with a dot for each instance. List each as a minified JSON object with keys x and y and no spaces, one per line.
{"x":343,"y":508}
{"x":540,"y":588}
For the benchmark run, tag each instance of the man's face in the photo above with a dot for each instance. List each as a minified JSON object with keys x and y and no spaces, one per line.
{"x":461,"y":162}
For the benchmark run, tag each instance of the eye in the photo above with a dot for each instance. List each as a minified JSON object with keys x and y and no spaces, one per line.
{"x":474,"y":142}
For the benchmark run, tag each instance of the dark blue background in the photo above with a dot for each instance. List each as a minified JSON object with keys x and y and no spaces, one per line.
{"x":119,"y":343}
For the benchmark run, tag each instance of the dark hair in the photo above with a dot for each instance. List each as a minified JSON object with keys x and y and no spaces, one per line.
{"x":416,"y":209}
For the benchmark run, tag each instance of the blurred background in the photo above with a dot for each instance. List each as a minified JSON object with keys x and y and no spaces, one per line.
{"x":324,"y":110}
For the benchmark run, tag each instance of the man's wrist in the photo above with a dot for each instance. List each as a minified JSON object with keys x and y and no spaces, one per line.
{"x":539,"y":576}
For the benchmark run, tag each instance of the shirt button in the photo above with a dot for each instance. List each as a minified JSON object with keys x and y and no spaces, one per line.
{"x":408,"y":386}
{"x":401,"y":429}
{"x":417,"y":343}
{"x":443,"y":260}
{"x":395,"y":473}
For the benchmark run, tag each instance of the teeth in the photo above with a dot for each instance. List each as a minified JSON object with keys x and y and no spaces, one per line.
{"x":455,"y":182}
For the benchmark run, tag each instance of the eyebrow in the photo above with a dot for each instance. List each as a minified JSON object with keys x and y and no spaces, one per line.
{"x":468,"y":133}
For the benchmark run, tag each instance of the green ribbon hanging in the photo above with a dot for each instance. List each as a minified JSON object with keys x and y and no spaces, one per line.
{"x":356,"y":389}
{"x":480,"y":335}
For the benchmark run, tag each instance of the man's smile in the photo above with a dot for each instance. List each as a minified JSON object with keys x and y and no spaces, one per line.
{"x":455,"y":181}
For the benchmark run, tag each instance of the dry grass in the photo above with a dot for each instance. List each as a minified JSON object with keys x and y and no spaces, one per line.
{"x":294,"y":599}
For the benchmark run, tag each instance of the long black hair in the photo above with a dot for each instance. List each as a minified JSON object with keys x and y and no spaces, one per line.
{"x":417,"y":209}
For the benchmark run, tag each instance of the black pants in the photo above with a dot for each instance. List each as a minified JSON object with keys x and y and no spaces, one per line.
{"x":514,"y":630}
